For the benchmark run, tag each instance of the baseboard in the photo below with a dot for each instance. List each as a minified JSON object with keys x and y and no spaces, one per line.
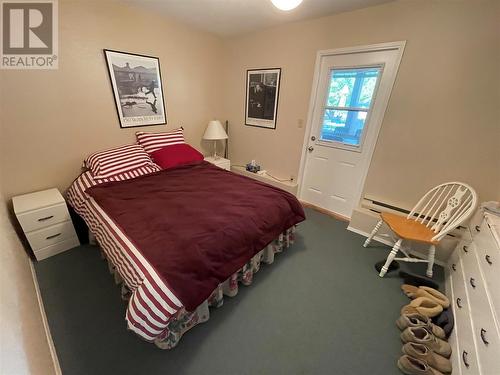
{"x":46,"y":327}
{"x":324,"y":211}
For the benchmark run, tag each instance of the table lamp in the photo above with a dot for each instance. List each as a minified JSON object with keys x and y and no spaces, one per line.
{"x":215,"y":132}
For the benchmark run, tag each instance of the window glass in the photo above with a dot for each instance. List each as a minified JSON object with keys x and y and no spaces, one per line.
{"x":350,"y":95}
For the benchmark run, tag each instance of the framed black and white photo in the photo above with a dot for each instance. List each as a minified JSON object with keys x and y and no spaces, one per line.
{"x":262,"y":95}
{"x":137,"y":88}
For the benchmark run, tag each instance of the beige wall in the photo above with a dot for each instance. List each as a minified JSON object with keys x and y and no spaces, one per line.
{"x":443,"y":118}
{"x":23,"y":344}
{"x":441,"y":121}
{"x":53,"y":119}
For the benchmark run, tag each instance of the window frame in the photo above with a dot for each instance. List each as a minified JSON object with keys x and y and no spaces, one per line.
{"x":343,"y":145}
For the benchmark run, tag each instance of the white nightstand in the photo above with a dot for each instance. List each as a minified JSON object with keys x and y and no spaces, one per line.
{"x":220,"y":162}
{"x":45,"y":220}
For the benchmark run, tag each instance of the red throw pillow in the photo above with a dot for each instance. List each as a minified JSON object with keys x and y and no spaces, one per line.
{"x":175,"y":155}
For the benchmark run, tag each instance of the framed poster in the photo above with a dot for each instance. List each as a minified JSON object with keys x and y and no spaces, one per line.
{"x":263,"y":86}
{"x":137,"y":88}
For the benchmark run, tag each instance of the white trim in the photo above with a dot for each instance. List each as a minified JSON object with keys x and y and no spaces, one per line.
{"x":46,"y":327}
{"x":400,"y":46}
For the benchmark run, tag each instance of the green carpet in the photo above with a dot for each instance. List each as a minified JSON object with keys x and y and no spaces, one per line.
{"x":319,"y":309}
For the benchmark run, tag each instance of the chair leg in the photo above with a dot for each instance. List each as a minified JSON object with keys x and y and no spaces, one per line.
{"x":432,"y":252}
{"x":373,"y":233}
{"x":390,"y":257}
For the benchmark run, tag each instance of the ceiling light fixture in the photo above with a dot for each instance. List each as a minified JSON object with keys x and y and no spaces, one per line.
{"x":286,"y":4}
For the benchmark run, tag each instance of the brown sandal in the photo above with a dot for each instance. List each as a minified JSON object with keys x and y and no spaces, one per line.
{"x":437,"y":296}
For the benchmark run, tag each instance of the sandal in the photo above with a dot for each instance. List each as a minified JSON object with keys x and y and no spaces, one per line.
{"x":436,"y":295}
{"x":427,"y":292}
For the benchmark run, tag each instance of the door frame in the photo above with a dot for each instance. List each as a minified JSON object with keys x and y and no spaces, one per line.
{"x":399,"y":46}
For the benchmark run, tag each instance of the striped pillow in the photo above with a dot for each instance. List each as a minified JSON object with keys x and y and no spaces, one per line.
{"x":141,"y":171}
{"x":155,"y":141}
{"x":112,"y":162}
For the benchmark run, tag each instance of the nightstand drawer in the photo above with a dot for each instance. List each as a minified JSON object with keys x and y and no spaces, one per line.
{"x":51,"y":235}
{"x":43,"y":217}
{"x":57,"y":248}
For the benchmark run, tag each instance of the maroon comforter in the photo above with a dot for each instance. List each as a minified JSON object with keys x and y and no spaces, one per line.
{"x":197,"y":224}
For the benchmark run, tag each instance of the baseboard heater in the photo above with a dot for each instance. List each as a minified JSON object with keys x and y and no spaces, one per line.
{"x":378,"y":206}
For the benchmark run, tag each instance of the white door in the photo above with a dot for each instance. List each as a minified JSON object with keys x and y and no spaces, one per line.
{"x":350,"y":95}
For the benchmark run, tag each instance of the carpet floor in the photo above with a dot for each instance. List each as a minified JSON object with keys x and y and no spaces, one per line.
{"x":319,"y":309}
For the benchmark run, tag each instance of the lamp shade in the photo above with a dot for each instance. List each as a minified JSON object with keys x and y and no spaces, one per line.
{"x":215,"y":131}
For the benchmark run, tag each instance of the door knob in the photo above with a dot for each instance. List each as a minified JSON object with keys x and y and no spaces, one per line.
{"x":310,"y":148}
{"x":313,"y":138}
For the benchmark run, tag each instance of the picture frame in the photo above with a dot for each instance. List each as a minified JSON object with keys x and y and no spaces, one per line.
{"x":137,"y":88}
{"x":262,"y":97}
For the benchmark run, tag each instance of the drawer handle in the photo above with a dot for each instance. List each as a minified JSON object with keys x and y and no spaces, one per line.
{"x":454,"y":267}
{"x":46,"y":218}
{"x":472,"y":282}
{"x":464,"y":359}
{"x":488,"y":260}
{"x":483,"y":336}
{"x":478,"y":228}
{"x":53,"y":236}
{"x":459,"y":303}
{"x":465,"y":249}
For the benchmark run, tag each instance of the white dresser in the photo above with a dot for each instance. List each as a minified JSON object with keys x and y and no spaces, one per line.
{"x":45,"y":220}
{"x":473,"y":283}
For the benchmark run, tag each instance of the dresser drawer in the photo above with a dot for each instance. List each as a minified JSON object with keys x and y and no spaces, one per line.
{"x":475,"y":222}
{"x":43,"y":217}
{"x":51,"y":235}
{"x":487,"y":341}
{"x":467,"y":357}
{"x":489,"y":263}
{"x":56,"y":248}
{"x":475,"y":286}
{"x":484,"y":237}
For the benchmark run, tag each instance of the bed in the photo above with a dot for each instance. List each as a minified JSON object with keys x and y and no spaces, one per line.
{"x":179,"y":240}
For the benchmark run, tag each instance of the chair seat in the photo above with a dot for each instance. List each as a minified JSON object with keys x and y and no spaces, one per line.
{"x":408,"y":229}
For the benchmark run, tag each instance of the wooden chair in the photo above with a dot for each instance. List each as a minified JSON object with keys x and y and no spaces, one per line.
{"x":439,"y":212}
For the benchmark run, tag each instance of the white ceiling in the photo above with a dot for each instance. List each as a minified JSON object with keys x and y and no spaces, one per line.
{"x":231,"y":17}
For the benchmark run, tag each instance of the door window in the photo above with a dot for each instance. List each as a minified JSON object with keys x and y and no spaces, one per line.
{"x":348,"y":102}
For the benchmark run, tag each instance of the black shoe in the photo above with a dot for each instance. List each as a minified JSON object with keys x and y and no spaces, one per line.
{"x":417,"y":280}
{"x":446,"y":321}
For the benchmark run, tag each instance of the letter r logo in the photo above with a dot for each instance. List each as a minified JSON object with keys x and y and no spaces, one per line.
{"x":27,"y":28}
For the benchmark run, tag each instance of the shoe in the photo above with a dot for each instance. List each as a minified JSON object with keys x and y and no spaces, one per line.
{"x":436,"y":295}
{"x":413,"y":366}
{"x":446,"y":321}
{"x":417,"y":280}
{"x":413,"y":292}
{"x":419,"y":320}
{"x":424,"y":306}
{"x":426,"y":355}
{"x":423,"y":336}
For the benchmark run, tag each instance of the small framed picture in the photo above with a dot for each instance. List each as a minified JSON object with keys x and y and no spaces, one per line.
{"x":263,"y":86}
{"x":137,"y":88}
